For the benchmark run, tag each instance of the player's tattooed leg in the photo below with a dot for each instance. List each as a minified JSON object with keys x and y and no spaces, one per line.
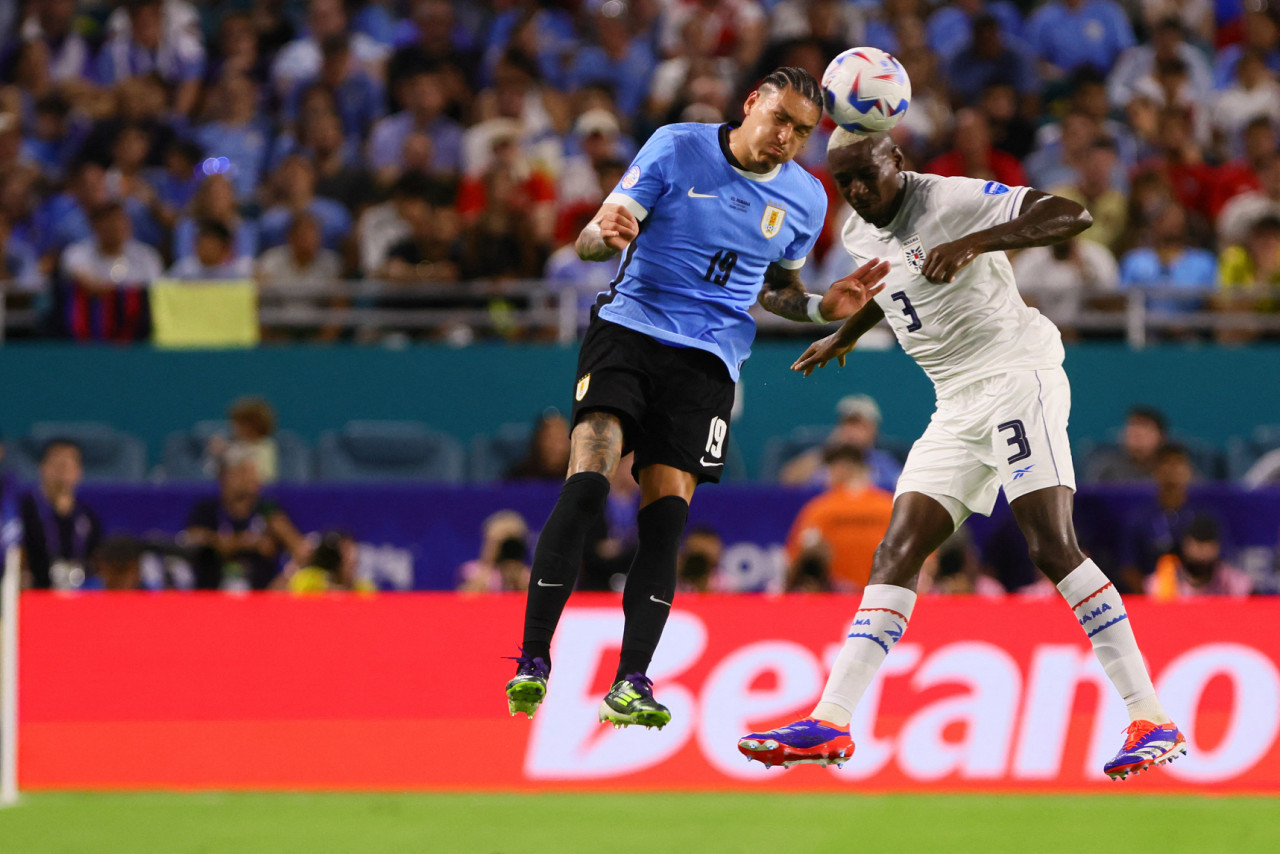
{"x":596,"y":444}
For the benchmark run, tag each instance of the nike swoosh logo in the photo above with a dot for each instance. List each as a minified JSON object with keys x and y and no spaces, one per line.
{"x":542,"y":583}
{"x":659,"y":601}
{"x":707,"y":464}
{"x":694,"y":195}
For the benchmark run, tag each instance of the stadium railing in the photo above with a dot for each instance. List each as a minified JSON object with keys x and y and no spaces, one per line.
{"x":371,"y":308}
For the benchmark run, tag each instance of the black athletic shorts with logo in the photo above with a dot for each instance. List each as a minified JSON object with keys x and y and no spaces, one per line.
{"x":674,"y":402}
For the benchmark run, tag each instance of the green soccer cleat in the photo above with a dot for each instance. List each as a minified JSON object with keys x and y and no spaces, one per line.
{"x":630,"y":702}
{"x":526,"y":691}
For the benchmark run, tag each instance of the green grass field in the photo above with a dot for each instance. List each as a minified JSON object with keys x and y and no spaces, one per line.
{"x":654,"y":824}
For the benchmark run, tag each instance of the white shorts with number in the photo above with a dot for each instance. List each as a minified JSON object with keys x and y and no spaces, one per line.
{"x":1006,"y":431}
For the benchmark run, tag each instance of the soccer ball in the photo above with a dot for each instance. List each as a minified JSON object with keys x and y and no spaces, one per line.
{"x":866,"y":90}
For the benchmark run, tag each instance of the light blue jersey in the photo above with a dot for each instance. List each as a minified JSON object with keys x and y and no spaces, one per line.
{"x":708,"y":232}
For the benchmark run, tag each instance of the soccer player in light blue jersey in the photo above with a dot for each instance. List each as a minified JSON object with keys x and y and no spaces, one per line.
{"x":709,"y":219}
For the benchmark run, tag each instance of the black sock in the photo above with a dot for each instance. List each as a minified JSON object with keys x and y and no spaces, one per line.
{"x":651,"y":583}
{"x":558,"y":557}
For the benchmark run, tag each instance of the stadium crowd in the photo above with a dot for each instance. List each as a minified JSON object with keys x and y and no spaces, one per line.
{"x":433,"y":141}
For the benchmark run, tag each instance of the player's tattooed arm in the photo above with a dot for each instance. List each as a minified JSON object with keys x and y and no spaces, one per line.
{"x":1044,"y":219}
{"x":784,"y":293}
{"x":611,"y":230}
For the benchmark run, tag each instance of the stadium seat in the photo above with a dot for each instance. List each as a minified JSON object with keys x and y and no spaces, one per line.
{"x":388,"y":450}
{"x":107,"y":453}
{"x":492,"y":456}
{"x":1207,"y":461}
{"x":183,"y":457}
{"x":1242,"y":453}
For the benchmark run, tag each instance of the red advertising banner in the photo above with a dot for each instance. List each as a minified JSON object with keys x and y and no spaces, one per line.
{"x":405,"y":692}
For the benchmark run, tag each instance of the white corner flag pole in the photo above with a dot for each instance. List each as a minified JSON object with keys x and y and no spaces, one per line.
{"x":9,"y":677}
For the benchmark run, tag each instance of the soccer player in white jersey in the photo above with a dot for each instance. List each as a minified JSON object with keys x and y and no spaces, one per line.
{"x":1001,"y":422}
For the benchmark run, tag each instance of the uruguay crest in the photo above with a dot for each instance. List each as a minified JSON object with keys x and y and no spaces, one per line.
{"x":913,"y":248}
{"x":583,"y":385}
{"x":771,"y":222}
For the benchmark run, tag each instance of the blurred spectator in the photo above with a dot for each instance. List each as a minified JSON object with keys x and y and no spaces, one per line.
{"x":589,"y":176}
{"x":145,"y":46}
{"x":117,"y":564}
{"x":1255,"y":94}
{"x":331,"y":567}
{"x":60,"y":533}
{"x":433,"y":34}
{"x":51,"y":23}
{"x":126,"y":183}
{"x":54,"y":138}
{"x":508,"y":211}
{"x":1067,"y":34}
{"x":1157,"y":526}
{"x":433,"y":250}
{"x":215,"y":201}
{"x":692,"y":56}
{"x":1260,"y":31}
{"x":1145,"y":432}
{"x":621,"y":59}
{"x":503,"y":565}
{"x":233,"y":141}
{"x":954,"y":570}
{"x":237,"y":51}
{"x":1094,"y":188}
{"x":19,"y":265}
{"x":1249,"y":276}
{"x":522,"y":100}
{"x":1239,"y":215}
{"x":844,"y":524}
{"x":382,"y":226}
{"x":859,"y":425}
{"x":548,"y":457}
{"x":302,"y":259}
{"x":1181,"y":159}
{"x":302,"y":58}
{"x":421,"y":95}
{"x":1006,"y":562}
{"x":239,"y":535}
{"x":952,"y":27}
{"x":734,"y":29}
{"x":339,"y":173}
{"x":573,"y":279}
{"x":1240,"y":176}
{"x":987,"y":59}
{"x":1170,"y":264}
{"x":295,"y":193}
{"x":176,"y":182}
{"x":1195,"y":567}
{"x":1195,"y":16}
{"x":253,"y":426}
{"x":63,"y":219}
{"x":543,"y":33}
{"x":973,"y":155}
{"x":1168,"y":42}
{"x":1011,"y":131}
{"x":698,"y":564}
{"x":1061,"y":158}
{"x":106,"y":276}
{"x":214,"y":258}
{"x":1059,"y":280}
{"x":358,"y":96}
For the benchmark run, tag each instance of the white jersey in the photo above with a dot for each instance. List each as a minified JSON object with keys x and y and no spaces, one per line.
{"x":970,"y":329}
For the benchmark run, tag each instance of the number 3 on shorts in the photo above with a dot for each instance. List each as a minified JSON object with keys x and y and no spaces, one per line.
{"x":1019,"y":440}
{"x":715,"y":438}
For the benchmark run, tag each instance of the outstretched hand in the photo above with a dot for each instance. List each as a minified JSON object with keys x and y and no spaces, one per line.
{"x":846,"y":297}
{"x":822,"y":351}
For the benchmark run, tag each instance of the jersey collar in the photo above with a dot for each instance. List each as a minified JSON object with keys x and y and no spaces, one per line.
{"x":736,"y":165}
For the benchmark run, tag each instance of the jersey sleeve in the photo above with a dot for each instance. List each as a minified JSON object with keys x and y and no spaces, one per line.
{"x":646,"y":178}
{"x":798,"y":251}
{"x":966,"y":205}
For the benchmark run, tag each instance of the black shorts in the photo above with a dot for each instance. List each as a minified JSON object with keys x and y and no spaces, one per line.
{"x":674,"y":402}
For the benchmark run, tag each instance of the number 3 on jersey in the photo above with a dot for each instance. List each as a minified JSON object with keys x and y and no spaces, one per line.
{"x":909,"y":310}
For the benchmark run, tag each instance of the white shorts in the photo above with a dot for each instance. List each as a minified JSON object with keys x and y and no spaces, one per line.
{"x":1008,"y":430}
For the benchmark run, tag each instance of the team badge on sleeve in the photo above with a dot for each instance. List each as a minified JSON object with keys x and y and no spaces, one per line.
{"x":583,"y":385}
{"x":913,"y":248}
{"x":994,"y":188}
{"x":771,"y":222}
{"x":629,"y":179}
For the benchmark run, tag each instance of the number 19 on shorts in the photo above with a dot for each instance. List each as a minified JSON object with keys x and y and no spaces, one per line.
{"x":715,"y":437}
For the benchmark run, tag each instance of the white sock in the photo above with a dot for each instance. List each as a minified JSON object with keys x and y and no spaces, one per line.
{"x":1101,"y":613}
{"x":881,"y":619}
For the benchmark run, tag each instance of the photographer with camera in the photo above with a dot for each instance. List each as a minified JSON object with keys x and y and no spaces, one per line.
{"x":503,"y":565}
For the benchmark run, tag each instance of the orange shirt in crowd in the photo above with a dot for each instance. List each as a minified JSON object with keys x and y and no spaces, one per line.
{"x":852,"y":521}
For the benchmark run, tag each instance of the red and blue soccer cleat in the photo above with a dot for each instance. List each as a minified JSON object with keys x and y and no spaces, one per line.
{"x":809,"y":741}
{"x":1146,"y":744}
